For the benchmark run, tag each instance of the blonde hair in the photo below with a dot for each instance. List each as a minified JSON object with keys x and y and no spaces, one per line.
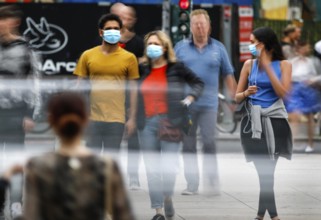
{"x":166,"y":43}
{"x":200,"y":12}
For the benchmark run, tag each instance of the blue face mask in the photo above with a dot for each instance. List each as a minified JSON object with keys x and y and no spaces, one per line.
{"x":253,"y":50}
{"x":111,"y":36}
{"x":154,"y":51}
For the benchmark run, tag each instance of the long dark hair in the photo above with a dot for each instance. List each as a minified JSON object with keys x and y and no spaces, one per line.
{"x":268,"y":37}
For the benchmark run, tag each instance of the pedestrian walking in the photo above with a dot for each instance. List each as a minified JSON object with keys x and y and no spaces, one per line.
{"x":5,"y":184}
{"x":162,"y":117}
{"x":208,"y":58}
{"x":18,"y":97}
{"x":73,"y":182}
{"x":131,"y":42}
{"x":303,"y":98}
{"x":265,"y":132}
{"x":108,"y":67}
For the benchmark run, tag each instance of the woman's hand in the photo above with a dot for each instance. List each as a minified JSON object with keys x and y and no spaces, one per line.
{"x":188,"y":100}
{"x":251,"y":90}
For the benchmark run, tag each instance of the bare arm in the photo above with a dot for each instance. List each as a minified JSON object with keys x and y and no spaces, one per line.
{"x":231,"y":84}
{"x":242,"y":90}
{"x":131,"y":123}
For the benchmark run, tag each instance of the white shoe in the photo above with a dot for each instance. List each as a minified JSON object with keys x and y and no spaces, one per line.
{"x":308,"y":149}
{"x":16,"y":209}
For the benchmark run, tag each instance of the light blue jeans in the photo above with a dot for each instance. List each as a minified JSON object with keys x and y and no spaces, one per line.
{"x":161,"y":160}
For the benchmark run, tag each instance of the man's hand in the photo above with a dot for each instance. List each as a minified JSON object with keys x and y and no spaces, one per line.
{"x":12,"y":171}
{"x":130,"y":127}
{"x":28,"y":124}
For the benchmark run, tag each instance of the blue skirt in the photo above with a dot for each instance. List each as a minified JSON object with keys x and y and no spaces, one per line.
{"x":303,"y":99}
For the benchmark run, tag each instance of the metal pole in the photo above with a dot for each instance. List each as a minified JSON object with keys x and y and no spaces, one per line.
{"x":166,"y":16}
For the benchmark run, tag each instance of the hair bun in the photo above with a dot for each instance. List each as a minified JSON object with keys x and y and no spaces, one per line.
{"x":69,"y":126}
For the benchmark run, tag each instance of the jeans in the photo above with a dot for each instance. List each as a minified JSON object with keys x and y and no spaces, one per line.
{"x":133,"y":158}
{"x":205,"y":119}
{"x":161,"y":160}
{"x":265,"y":168}
{"x":104,"y":136}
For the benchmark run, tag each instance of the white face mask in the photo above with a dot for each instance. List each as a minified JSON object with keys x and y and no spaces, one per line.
{"x":255,"y":52}
{"x":154,"y":51}
{"x":111,"y":36}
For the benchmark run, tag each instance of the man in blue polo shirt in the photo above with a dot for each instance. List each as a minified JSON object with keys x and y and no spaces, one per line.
{"x":208,"y":58}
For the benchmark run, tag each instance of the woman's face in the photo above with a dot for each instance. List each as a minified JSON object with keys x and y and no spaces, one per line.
{"x":154,"y":40}
{"x":254,"y":41}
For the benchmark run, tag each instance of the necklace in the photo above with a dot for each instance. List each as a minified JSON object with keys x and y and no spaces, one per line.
{"x":74,"y":163}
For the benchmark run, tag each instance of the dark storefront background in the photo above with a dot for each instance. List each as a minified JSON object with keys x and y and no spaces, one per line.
{"x":61,"y":32}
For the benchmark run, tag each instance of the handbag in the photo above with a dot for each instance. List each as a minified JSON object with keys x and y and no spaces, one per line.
{"x":168,"y":132}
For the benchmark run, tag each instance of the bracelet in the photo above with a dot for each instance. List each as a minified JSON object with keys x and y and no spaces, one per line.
{"x":244,"y":94}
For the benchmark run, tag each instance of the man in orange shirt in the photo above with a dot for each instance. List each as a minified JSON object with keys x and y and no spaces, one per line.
{"x":108,"y":67}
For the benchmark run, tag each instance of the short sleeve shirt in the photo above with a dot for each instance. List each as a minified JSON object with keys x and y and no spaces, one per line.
{"x":108,"y":75}
{"x":208,"y":63}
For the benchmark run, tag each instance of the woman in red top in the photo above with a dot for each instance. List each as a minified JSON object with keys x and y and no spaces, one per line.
{"x":162,"y":95}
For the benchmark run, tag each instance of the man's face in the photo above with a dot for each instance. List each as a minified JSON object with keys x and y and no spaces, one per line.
{"x":128,"y":18}
{"x":4,"y":26}
{"x":109,"y":25}
{"x":8,"y":25}
{"x":200,"y":26}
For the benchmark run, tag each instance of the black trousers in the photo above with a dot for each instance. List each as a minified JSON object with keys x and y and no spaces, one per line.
{"x":12,"y":135}
{"x":265,"y":168}
{"x":104,"y":135}
{"x":12,"y":138}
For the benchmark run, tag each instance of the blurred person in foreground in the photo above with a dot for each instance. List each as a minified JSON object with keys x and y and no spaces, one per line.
{"x":162,"y":99}
{"x":5,"y":179}
{"x":108,"y":68}
{"x":209,"y":60}
{"x":265,"y":131}
{"x":73,"y":182}
{"x":316,"y":81}
{"x":303,"y":98}
{"x":18,"y":96}
{"x":131,"y":42}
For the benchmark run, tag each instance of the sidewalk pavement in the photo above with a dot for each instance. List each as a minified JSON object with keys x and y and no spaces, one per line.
{"x":297,"y":184}
{"x":297,"y":189}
